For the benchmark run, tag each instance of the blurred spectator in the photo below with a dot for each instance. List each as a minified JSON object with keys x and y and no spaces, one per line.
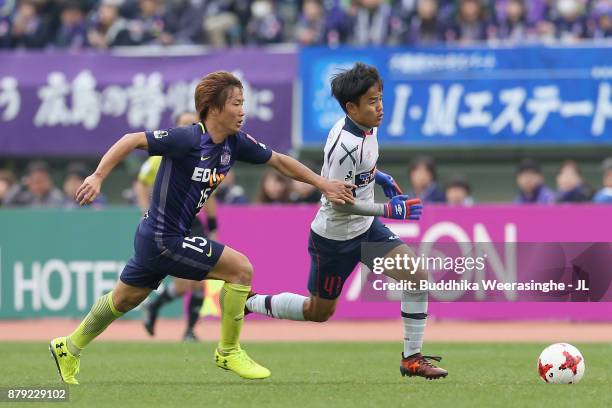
{"x":38,"y":23}
{"x":530,"y":181}
{"x":339,"y":22}
{"x":266,"y":26}
{"x":72,"y":32}
{"x":148,"y":27}
{"x":423,"y":177}
{"x":221,"y":24}
{"x":426,"y":27}
{"x":571,"y":187}
{"x":513,"y":26}
{"x":7,"y":7}
{"x":8,"y":187}
{"x":229,"y":192}
{"x":108,"y":28}
{"x":458,"y":192}
{"x":273,"y":188}
{"x":605,"y":194}
{"x":26,"y":29}
{"x":183,"y":22}
{"x":570,"y":25}
{"x":304,"y":192}
{"x":38,"y":190}
{"x":371,"y":22}
{"x":537,"y":10}
{"x":601,"y":24}
{"x":470,"y":25}
{"x":76,"y":174}
{"x":310,"y":29}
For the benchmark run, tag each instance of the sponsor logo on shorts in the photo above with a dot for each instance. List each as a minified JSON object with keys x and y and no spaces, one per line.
{"x":158,"y":134}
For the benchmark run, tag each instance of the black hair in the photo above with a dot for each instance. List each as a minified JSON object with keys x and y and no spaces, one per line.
{"x":38,"y":165}
{"x":77,"y":169}
{"x":426,"y":161}
{"x":529,"y":165}
{"x":349,"y":85}
{"x":461,"y":182}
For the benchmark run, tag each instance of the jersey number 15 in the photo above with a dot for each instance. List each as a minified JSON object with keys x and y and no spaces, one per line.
{"x":203,"y":197}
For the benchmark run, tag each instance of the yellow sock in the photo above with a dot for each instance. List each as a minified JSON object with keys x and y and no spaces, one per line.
{"x":232,"y":299}
{"x":101,"y":315}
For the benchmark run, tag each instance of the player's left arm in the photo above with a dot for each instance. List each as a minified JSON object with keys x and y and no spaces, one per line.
{"x":388,"y":184}
{"x":400,"y":207}
{"x":251,"y":151}
{"x":336,"y":191}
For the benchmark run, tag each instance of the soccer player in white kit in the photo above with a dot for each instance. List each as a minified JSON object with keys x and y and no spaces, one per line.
{"x":337,"y":232}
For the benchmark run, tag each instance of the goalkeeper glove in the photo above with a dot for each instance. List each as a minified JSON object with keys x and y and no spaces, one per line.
{"x":402,"y":208}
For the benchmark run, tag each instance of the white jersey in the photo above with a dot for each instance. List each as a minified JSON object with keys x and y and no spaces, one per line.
{"x":350,"y":155}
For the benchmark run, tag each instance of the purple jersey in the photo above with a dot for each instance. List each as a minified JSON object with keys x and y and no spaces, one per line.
{"x":191,"y":169}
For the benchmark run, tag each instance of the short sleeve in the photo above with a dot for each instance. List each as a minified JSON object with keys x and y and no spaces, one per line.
{"x":173,"y":142}
{"x":250,"y":150}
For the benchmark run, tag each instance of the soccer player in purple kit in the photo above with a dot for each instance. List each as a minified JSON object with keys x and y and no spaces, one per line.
{"x":196,"y":158}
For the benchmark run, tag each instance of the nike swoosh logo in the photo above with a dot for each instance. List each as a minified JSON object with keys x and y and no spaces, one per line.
{"x":239,"y":317}
{"x":202,"y":158}
{"x":209,"y":254}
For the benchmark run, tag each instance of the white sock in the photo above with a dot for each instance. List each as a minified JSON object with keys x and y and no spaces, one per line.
{"x":282,"y":306}
{"x":414,"y":316}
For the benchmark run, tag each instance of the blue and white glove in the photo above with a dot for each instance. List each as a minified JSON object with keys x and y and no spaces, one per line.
{"x":387,"y":183}
{"x":402,"y":208}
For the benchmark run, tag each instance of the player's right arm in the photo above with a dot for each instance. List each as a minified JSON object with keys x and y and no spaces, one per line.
{"x":174,"y":142}
{"x":89,"y":190}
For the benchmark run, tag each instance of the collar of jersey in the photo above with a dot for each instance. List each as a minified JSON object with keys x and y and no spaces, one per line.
{"x":356,"y":129}
{"x":209,"y":138}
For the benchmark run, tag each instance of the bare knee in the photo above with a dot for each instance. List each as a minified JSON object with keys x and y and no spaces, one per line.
{"x":124,"y":304}
{"x":243,"y":272}
{"x":126,"y":300}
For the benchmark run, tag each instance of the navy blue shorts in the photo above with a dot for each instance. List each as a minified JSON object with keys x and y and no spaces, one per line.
{"x":182,"y":257}
{"x":332,"y":262}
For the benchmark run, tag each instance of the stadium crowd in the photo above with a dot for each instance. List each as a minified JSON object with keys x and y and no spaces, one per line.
{"x":36,"y":188}
{"x":103,"y":24}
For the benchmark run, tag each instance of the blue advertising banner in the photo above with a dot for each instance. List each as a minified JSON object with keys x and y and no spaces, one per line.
{"x":471,"y":96}
{"x":56,"y":103}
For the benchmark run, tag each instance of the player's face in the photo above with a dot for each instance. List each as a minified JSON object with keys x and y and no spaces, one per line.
{"x":369,"y":112}
{"x":232,"y":116}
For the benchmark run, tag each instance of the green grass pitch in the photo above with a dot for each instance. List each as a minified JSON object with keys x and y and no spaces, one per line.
{"x":309,"y":375}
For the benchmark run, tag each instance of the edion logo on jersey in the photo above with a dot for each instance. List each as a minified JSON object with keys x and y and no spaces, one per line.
{"x":207,"y":176}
